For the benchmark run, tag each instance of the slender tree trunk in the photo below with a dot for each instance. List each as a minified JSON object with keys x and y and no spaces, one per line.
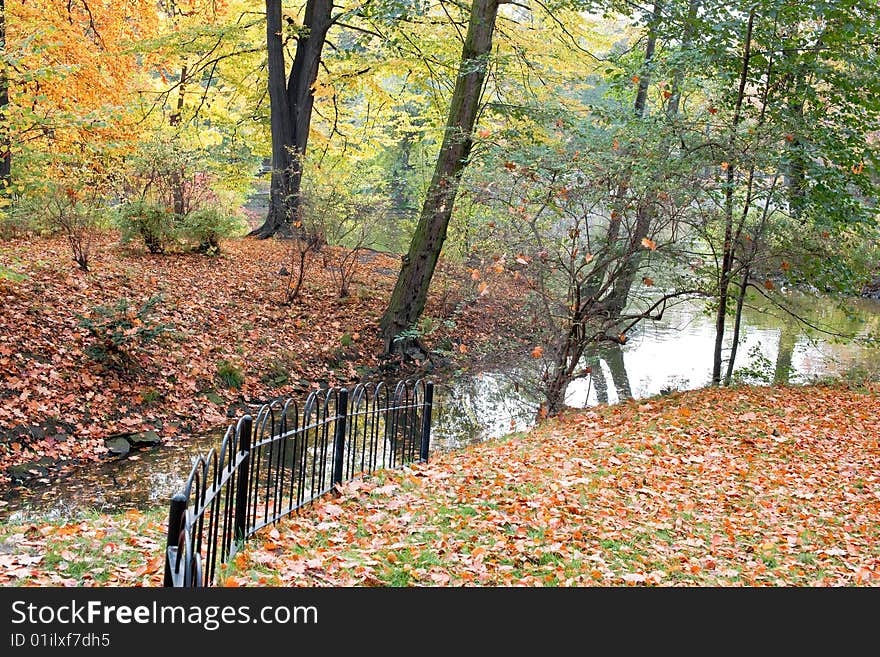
{"x":178,"y":175}
{"x":411,"y":290}
{"x":795,"y":174}
{"x":796,"y":179}
{"x":620,"y":289}
{"x":291,"y":101}
{"x":749,"y":259}
{"x":567,"y":358}
{"x":727,"y":256}
{"x":737,"y":322}
{"x":177,"y":117}
{"x":647,"y":210}
{"x":5,"y":137}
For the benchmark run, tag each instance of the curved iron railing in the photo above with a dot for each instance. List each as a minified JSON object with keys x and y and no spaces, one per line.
{"x":283,"y":458}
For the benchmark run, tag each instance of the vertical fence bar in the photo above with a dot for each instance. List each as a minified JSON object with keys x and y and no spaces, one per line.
{"x":176,"y":516}
{"x":242,"y":480}
{"x":426,"y":422}
{"x":339,"y":437}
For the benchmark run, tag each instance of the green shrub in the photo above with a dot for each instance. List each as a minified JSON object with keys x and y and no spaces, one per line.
{"x":120,"y":330}
{"x":153,"y":224}
{"x":205,"y":227}
{"x":229,"y":374}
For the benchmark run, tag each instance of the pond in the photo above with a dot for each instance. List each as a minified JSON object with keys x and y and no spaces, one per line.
{"x":470,"y":407}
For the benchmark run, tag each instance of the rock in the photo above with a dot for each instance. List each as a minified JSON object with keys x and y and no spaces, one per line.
{"x":143,"y":438}
{"x":30,"y":470}
{"x":118,"y":446}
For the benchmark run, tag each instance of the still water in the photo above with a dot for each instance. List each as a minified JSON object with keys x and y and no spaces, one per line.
{"x":673,"y":354}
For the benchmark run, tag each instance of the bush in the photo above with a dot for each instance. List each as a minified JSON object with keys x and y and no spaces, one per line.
{"x":72,"y":208}
{"x":229,"y":374}
{"x":76,"y":219}
{"x":154,"y":224}
{"x":205,"y":227}
{"x":120,"y":330}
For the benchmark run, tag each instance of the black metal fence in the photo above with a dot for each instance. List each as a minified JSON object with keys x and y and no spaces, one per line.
{"x":270,"y":465}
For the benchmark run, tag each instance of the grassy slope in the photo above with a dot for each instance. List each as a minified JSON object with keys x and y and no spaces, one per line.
{"x":744,"y":487}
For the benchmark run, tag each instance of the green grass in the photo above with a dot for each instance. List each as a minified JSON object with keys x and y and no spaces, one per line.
{"x":85,"y":548}
{"x":230,"y":375}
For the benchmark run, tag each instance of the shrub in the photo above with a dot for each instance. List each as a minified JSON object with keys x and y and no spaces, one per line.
{"x":76,"y":220}
{"x":229,"y":374}
{"x":73,"y":210}
{"x":120,"y":330}
{"x":205,"y":227}
{"x":154,"y":224}
{"x":167,"y":175}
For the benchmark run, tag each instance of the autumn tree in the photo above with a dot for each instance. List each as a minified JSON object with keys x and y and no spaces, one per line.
{"x":70,"y":75}
{"x":291,"y":97}
{"x":411,"y":289}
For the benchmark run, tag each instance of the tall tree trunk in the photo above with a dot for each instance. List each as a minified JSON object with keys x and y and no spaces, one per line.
{"x":5,"y":137}
{"x":178,"y":175}
{"x":567,"y":358}
{"x":795,"y":174}
{"x":177,"y":116}
{"x":620,"y":288}
{"x":411,"y":290}
{"x":291,"y":101}
{"x":737,"y":324}
{"x":796,"y":180}
{"x":647,"y":209}
{"x":749,"y":258}
{"x":727,"y":256}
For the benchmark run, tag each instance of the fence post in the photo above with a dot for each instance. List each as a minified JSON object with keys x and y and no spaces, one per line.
{"x":176,"y":517}
{"x":426,"y":422}
{"x":242,"y":480}
{"x":339,"y":435}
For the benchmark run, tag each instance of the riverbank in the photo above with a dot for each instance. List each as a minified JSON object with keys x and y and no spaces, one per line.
{"x":745,"y":486}
{"x":225,"y":339}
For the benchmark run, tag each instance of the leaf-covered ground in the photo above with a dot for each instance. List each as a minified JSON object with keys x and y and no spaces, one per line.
{"x":90,"y":550}
{"x":739,"y":487}
{"x":57,"y":402}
